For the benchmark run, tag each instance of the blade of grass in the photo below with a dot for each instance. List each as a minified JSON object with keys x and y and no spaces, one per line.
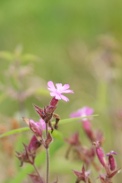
{"x":12,"y":132}
{"x":20,"y":130}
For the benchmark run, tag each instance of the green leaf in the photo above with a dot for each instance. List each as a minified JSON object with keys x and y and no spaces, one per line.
{"x":12,"y":132}
{"x":56,"y":133}
{"x":20,"y":130}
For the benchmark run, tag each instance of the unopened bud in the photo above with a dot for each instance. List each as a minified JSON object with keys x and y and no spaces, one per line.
{"x":111,"y":160}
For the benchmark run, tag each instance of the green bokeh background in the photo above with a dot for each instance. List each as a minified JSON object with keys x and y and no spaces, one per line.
{"x":64,"y":35}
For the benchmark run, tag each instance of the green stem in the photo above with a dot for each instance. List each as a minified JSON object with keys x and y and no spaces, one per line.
{"x":47,"y":157}
{"x":37,"y":172}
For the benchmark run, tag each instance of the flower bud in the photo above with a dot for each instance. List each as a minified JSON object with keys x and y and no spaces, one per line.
{"x":100,"y":154}
{"x":111,"y":160}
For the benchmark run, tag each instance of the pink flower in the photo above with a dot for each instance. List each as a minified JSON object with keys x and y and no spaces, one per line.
{"x":82,"y":112}
{"x":42,"y":124}
{"x":36,"y":127}
{"x":58,"y":90}
{"x":34,"y":144}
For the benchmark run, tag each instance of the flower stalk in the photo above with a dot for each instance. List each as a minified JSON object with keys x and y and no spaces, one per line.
{"x":47,"y":157}
{"x":37,"y":172}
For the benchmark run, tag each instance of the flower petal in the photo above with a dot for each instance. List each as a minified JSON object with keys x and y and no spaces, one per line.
{"x":66,"y":86}
{"x":51,"y":85}
{"x":83,"y":112}
{"x":75,"y":114}
{"x":42,"y":124}
{"x":68,"y":91}
{"x":64,"y":98}
{"x":58,"y":97}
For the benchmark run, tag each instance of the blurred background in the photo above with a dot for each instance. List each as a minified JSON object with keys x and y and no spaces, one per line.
{"x":75,"y":42}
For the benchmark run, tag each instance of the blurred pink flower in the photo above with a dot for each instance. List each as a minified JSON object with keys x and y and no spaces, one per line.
{"x":111,"y":160}
{"x":111,"y":153}
{"x":82,"y":112}
{"x":58,"y":90}
{"x":40,"y":124}
{"x":100,"y":154}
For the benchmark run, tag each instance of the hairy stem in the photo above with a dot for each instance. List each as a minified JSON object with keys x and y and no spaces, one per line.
{"x":47,"y":157}
{"x":36,"y":170}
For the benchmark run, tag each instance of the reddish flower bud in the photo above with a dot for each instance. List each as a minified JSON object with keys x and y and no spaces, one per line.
{"x":34,"y":144}
{"x":49,"y":110}
{"x":111,"y":160}
{"x":25,"y":156}
{"x":39,"y":111}
{"x":82,"y":175}
{"x":100,"y":154}
{"x":29,"y":153}
{"x":53,"y":102}
{"x":88,"y":130}
{"x":36,"y":127}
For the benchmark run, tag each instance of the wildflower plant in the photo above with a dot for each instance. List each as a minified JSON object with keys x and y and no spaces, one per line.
{"x":43,"y":130}
{"x":42,"y":136}
{"x":87,"y":154}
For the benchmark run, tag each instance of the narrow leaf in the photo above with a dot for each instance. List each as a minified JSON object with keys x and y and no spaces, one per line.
{"x":12,"y":132}
{"x":20,"y":130}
